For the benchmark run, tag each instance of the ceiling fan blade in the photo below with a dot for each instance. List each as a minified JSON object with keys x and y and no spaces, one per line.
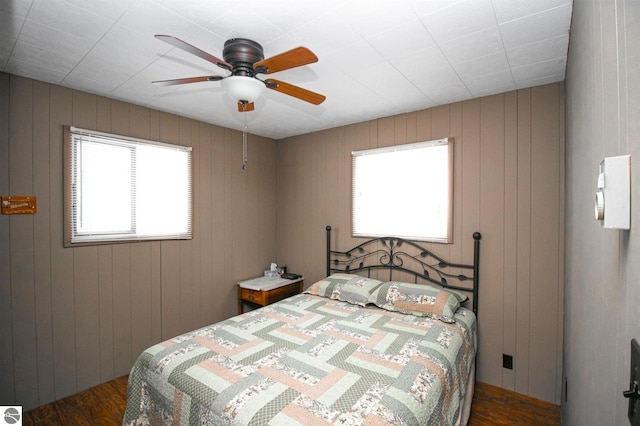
{"x":188,"y":80}
{"x":194,"y":51}
{"x":284,"y":61}
{"x":295,"y":91}
{"x":250,"y":106}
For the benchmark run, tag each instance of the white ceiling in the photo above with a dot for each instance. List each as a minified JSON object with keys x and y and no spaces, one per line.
{"x":376,"y":57}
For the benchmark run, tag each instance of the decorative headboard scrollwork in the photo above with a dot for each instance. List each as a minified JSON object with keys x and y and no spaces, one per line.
{"x":397,"y":254}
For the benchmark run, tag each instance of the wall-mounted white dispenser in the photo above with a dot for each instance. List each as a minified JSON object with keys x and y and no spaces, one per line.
{"x":613,"y":196}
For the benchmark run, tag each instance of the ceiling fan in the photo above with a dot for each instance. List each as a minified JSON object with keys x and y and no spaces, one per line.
{"x":245,"y":59}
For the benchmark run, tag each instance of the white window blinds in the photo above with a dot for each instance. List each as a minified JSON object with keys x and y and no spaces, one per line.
{"x":125,"y":189}
{"x":404,"y":191}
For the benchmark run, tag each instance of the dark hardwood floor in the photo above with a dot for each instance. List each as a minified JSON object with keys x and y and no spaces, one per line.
{"x":496,"y":406}
{"x":104,"y":405}
{"x":101,"y":405}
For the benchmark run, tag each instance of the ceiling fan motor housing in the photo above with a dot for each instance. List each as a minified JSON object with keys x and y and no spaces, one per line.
{"x":242,"y":54}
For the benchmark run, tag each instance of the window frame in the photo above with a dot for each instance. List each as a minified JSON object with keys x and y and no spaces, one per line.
{"x":73,"y":238}
{"x":407,"y":202}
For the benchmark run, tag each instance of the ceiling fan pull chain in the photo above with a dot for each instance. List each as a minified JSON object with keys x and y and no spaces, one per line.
{"x":244,"y":136}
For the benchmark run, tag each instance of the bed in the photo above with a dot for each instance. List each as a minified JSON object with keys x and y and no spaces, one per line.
{"x":353,"y":349}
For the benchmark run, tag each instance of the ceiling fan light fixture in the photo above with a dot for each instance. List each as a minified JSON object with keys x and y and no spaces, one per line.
{"x":243,"y":89}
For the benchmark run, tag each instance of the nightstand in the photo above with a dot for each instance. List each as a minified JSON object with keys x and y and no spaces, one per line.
{"x":266,"y":290}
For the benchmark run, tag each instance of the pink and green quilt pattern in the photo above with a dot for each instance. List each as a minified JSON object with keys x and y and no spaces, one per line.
{"x":307,"y":360}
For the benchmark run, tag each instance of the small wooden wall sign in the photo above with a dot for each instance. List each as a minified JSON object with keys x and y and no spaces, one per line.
{"x":18,"y":204}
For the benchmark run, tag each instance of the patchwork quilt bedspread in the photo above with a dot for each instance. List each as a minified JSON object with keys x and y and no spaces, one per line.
{"x":307,"y":360}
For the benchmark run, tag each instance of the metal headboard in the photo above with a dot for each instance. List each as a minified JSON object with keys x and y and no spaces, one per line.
{"x":397,"y":254}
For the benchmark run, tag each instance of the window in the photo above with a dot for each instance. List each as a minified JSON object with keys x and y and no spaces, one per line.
{"x":404,"y":191}
{"x":125,"y":189}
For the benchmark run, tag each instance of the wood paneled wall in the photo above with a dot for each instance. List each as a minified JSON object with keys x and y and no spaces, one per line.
{"x":508,"y":184}
{"x":602,"y":291}
{"x":71,"y":318}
